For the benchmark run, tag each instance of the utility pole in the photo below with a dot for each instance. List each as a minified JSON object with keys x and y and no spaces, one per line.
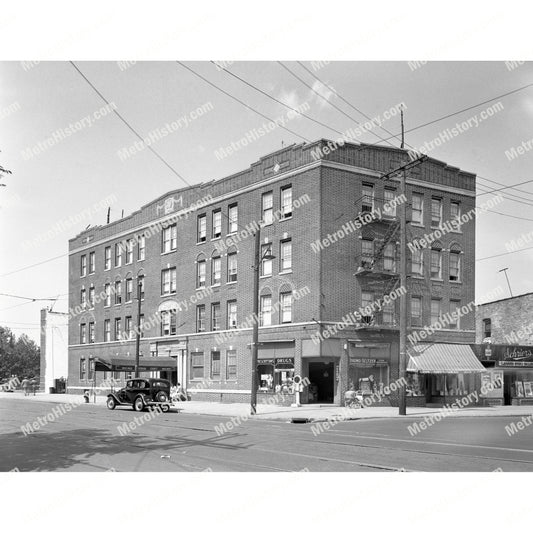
{"x":504,"y":270}
{"x":255,"y":331}
{"x":403,"y":297}
{"x":138,"y":336}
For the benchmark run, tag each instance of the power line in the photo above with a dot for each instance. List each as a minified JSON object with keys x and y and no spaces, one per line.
{"x":508,"y":196}
{"x":505,"y":253}
{"x":505,"y":187}
{"x":33,"y":265}
{"x":498,"y":183}
{"x":251,"y":85}
{"x":31,"y":299}
{"x":149,"y":147}
{"x":240,"y":101}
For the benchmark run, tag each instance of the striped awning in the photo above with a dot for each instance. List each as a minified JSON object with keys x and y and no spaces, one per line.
{"x":442,"y":359}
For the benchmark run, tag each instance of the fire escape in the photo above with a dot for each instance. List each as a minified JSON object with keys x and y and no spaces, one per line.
{"x":377,"y":266}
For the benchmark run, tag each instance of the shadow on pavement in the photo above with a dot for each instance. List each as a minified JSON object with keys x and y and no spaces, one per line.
{"x":45,"y":451}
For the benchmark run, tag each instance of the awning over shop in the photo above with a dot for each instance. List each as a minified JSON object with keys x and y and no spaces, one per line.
{"x":118,"y":364}
{"x":443,"y":359}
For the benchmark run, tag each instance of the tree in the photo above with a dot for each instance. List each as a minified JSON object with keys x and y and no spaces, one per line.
{"x":18,"y":356}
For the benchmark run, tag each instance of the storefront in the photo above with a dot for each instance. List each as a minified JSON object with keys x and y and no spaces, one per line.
{"x":442,"y":373}
{"x":275,"y":371}
{"x":515,"y":363}
{"x":368,"y":366}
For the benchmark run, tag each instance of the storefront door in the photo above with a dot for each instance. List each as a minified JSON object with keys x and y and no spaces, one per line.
{"x":322,"y":381}
{"x":507,"y":388}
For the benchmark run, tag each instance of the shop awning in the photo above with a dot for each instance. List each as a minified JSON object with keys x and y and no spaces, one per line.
{"x":443,"y":359}
{"x":118,"y":364}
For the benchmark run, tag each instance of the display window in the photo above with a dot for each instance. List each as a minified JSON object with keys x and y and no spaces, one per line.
{"x":276,"y":375}
{"x":416,"y":384}
{"x":460,"y":384}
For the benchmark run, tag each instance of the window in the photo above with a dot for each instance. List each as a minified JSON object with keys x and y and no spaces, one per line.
{"x":367,"y":201}
{"x":455,"y":265}
{"x":91,"y":332}
{"x":107,"y":290}
{"x":266,"y":264}
{"x":286,"y":307}
{"x":118,"y":329}
{"x":201,"y":228}
{"x":107,"y":258}
{"x":83,"y":265}
{"x":232,"y":267}
{"x":217,"y":224}
{"x":367,"y":299}
{"x":417,"y":262}
{"x":129,"y":290}
{"x":416,"y":310}
{"x":118,"y":292}
{"x":118,"y":254}
{"x":200,"y":318}
{"x":454,"y":308}
{"x":487,"y":327}
{"x":141,"y":248}
{"x":197,"y":363}
{"x":389,"y":207}
{"x":389,"y":257}
{"x":435,"y":310}
{"x":92,"y":262}
{"x":231,"y":364}
{"x":107,"y":330}
{"x":436,"y":212}
{"x":168,"y":281}
{"x":91,"y":369}
{"x":169,"y":238}
{"x":388,"y":313}
{"x":455,"y":213}
{"x":215,"y":365}
{"x":436,"y":263}
{"x":83,"y":333}
{"x":367,"y":253}
{"x":83,"y":297}
{"x":128,"y":327}
{"x":129,"y":251}
{"x":168,"y":322}
{"x":140,"y":285}
{"x":91,"y":296}
{"x":265,"y":318}
{"x":216,"y":270}
{"x":83,"y":368}
{"x":232,"y":315}
{"x":286,"y":202}
{"x":200,"y":274}
{"x":285,"y":256}
{"x":215,"y":316}
{"x":233,"y":218}
{"x":267,"y":207}
{"x":141,"y":325}
{"x":417,"y":209}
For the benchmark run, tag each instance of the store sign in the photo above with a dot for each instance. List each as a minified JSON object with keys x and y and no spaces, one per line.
{"x":368,"y":362}
{"x":517,"y":357}
{"x":277,"y":361}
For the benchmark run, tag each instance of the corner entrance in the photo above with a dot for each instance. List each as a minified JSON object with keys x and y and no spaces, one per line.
{"x":322,"y":382}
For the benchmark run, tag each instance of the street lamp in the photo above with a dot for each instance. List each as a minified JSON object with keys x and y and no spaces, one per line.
{"x":258,"y":259}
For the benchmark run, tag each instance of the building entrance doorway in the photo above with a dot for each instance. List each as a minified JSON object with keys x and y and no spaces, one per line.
{"x":322,"y":382}
{"x":507,"y":389}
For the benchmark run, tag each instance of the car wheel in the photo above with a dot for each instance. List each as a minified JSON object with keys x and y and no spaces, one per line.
{"x":111,"y":403}
{"x":165,"y":408}
{"x":161,"y":396}
{"x":138,"y":404}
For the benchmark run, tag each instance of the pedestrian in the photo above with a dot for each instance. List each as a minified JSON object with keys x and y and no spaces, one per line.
{"x":25,"y":386}
{"x":33,"y":385}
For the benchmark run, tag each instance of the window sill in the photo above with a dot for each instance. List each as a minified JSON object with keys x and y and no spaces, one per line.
{"x":172,"y":293}
{"x":231,"y":282}
{"x":169,"y":252}
{"x":231,"y":233}
{"x":266,"y":276}
{"x":215,"y":285}
{"x":216,"y":238}
{"x":200,"y":242}
{"x":285,"y":218}
{"x":417,"y":225}
{"x":285,"y":272}
{"x":456,"y":282}
{"x":440,"y":280}
{"x":201,"y":288}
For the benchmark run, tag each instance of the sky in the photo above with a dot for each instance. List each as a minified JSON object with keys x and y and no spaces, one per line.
{"x":82,"y":169}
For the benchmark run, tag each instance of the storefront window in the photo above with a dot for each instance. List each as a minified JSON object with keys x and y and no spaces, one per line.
{"x":265,"y":373}
{"x":452,"y":384}
{"x":276,"y":375}
{"x":369,"y":368}
{"x":416,"y":384}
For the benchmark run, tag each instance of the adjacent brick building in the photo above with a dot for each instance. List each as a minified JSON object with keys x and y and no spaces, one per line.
{"x":336,"y":251}
{"x":504,"y":333}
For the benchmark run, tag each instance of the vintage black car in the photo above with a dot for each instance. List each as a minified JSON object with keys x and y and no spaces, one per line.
{"x":141,"y":393}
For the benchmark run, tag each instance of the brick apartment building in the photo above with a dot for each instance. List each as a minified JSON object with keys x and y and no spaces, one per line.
{"x":194,"y":263}
{"x":504,"y":333}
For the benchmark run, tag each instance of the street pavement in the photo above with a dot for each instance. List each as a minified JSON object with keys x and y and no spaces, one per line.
{"x":89,"y":437}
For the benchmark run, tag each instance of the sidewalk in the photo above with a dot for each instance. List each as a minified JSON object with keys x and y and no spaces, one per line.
{"x":312,"y":413}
